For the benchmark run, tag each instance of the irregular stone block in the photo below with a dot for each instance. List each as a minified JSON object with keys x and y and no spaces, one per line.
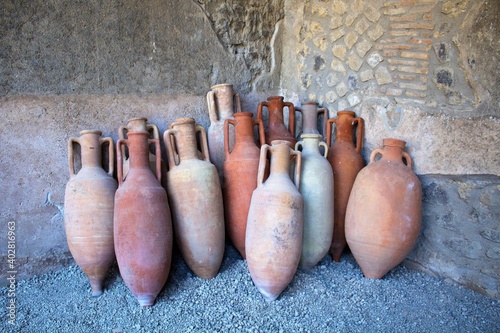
{"x":339,"y":51}
{"x":354,"y":62}
{"x":442,"y":51}
{"x":366,"y":75}
{"x":353,"y":99}
{"x":342,"y":89}
{"x":339,"y":7}
{"x":444,"y":77}
{"x":363,"y":47}
{"x":338,"y":66}
{"x":361,"y":26}
{"x":319,"y":63}
{"x":331,"y":96}
{"x":332,"y":79}
{"x":376,"y":33}
{"x":357,"y":6}
{"x":374,"y":59}
{"x":352,"y":82}
{"x":350,"y":39}
{"x":337,"y":34}
{"x":336,"y":21}
{"x":371,"y":13}
{"x":382,"y":75}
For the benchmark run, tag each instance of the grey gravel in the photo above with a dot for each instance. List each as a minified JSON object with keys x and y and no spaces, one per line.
{"x":332,"y":297}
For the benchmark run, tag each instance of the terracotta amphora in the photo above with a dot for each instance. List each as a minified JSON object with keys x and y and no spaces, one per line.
{"x":276,"y":129}
{"x":222,"y":102}
{"x":316,"y":187}
{"x":346,"y":160}
{"x":88,"y":208}
{"x":142,"y":222}
{"x":195,"y":198}
{"x":310,"y":113}
{"x":384,"y":211}
{"x":273,"y":240}
{"x":141,"y":124}
{"x":240,"y":169}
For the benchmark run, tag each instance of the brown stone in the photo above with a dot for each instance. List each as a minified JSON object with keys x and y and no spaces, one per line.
{"x":350,"y":39}
{"x":339,"y":51}
{"x":354,"y":62}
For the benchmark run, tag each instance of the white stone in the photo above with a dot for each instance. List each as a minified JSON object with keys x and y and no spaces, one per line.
{"x":366,"y":75}
{"x":353,"y":99}
{"x":332,"y":79}
{"x":342,"y":89}
{"x":374,"y":59}
{"x":338,"y":66}
{"x":331,"y":96}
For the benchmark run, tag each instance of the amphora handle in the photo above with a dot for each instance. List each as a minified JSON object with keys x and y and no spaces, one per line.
{"x":119,"y":159}
{"x":359,"y":133}
{"x":111,"y":152}
{"x":380,"y":151}
{"x":199,"y":130}
{"x":71,"y":156}
{"x":329,"y":123}
{"x":171,"y":148}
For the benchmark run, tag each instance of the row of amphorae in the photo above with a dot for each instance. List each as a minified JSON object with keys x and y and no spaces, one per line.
{"x":284,"y":204}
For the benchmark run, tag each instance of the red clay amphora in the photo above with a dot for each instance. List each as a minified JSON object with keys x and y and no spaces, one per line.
{"x":195,"y":197}
{"x":316,"y":187}
{"x":222,"y":102}
{"x":88,"y":208}
{"x":276,"y":129}
{"x":141,"y":124}
{"x":143,"y":227}
{"x":273,"y":240}
{"x":240,"y":170}
{"x":346,"y":160}
{"x":310,"y":113}
{"x":384,"y":211}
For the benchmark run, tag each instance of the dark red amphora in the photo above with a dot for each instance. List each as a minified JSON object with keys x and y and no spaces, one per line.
{"x":346,"y":160}
{"x":142,"y":222}
{"x":275,"y":128}
{"x":240,"y":170}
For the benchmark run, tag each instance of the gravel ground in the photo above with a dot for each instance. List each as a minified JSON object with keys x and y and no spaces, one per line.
{"x":332,"y":297}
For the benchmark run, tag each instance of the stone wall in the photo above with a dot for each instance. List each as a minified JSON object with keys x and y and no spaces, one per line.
{"x":460,"y":241}
{"x":424,"y":71}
